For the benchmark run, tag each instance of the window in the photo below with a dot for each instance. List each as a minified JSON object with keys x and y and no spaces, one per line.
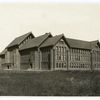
{"x":59,"y":65}
{"x":61,"y":41}
{"x":81,"y":66}
{"x":64,"y":65}
{"x":56,"y":65}
{"x":70,"y":64}
{"x":62,"y":50}
{"x":60,"y":53}
{"x":72,"y":50}
{"x":64,"y":57}
{"x":57,"y":53}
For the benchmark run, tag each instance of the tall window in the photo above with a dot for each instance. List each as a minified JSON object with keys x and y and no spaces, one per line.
{"x":60,"y":53}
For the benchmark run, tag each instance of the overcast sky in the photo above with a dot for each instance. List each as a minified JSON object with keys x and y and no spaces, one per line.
{"x":75,"y":20}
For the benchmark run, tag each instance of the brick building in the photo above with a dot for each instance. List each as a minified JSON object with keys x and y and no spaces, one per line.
{"x":47,"y":52}
{"x":10,"y":56}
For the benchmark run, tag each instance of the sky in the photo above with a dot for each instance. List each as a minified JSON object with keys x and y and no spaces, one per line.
{"x":76,"y":20}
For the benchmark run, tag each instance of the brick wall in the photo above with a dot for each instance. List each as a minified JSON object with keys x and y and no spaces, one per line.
{"x":60,"y":54}
{"x":79,"y":59}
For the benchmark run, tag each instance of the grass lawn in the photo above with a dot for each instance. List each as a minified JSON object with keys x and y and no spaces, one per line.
{"x":53,"y":83}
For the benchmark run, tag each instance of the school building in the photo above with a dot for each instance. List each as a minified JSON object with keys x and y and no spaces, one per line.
{"x":48,"y":52}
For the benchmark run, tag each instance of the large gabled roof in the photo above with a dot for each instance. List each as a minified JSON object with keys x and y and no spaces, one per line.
{"x":35,"y":42}
{"x":47,"y":40}
{"x":80,"y":44}
{"x":74,"y":43}
{"x":19,"y":39}
{"x":52,"y":41}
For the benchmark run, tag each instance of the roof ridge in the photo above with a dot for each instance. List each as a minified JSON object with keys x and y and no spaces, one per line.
{"x":95,"y":41}
{"x":78,"y":40}
{"x":43,"y":35}
{"x":59,"y":35}
{"x":24,"y":34}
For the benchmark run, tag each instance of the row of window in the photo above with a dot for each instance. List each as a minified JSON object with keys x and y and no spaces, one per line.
{"x":75,"y":51}
{"x":75,"y":54}
{"x":60,"y":53}
{"x":60,"y":49}
{"x":60,"y":65}
{"x":79,"y":51}
{"x":78,"y":65}
{"x":96,"y":65}
{"x":61,"y":57}
{"x":96,"y":58}
{"x":79,"y":58}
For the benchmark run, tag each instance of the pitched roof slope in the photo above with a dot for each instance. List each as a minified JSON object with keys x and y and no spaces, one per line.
{"x":35,"y":42}
{"x":51,"y":41}
{"x":73,"y":43}
{"x":3,"y":52}
{"x":19,"y":39}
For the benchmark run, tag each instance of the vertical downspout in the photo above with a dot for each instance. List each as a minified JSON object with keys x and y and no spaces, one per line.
{"x":39,"y":59}
{"x":52,"y":60}
{"x":67,"y":59}
{"x":91,"y":60}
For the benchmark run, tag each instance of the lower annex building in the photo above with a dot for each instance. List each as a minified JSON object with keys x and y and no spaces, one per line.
{"x":47,"y":52}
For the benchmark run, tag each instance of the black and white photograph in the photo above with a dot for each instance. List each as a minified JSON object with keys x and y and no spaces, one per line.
{"x":50,"y":48}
